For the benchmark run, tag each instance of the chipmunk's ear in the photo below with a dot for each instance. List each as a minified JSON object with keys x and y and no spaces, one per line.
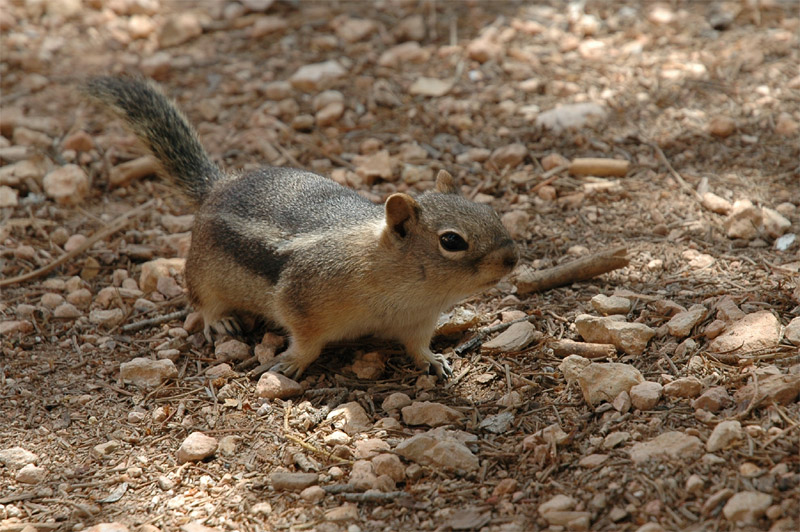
{"x":401,"y":211}
{"x":445,"y":183}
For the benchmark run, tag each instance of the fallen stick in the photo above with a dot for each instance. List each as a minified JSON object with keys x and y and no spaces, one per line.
{"x":135,"y":326}
{"x":564,"y":348}
{"x":530,"y":280}
{"x":115,"y":226}
{"x":599,"y":167}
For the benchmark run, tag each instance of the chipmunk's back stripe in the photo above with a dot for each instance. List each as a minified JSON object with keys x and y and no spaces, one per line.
{"x":250,"y":252}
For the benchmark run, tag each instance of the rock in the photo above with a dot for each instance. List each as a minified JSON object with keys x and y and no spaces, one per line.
{"x":403,"y":54}
{"x":497,"y":423}
{"x":373,"y":167}
{"x":456,"y":321}
{"x":509,"y":156}
{"x":350,"y":417}
{"x":792,"y":331}
{"x":370,"y":447}
{"x":485,"y":47}
{"x":276,"y":386}
{"x":615,"y":438}
{"x":313,"y":494}
{"x":78,"y":141}
{"x":622,"y":402}
{"x":646,"y":395}
{"x":17,"y":457}
{"x":572,"y":366}
{"x":197,"y":446}
{"x":112,"y":527}
{"x":154,"y":269}
{"x":714,"y":329}
{"x":362,"y":476}
{"x":439,"y":450}
{"x":671,"y":445}
{"x":345,"y":512}
{"x":107,"y":448}
{"x":571,"y":116}
{"x":786,"y":125}
{"x":286,"y":481}
{"x":317,"y":76}
{"x":516,"y":222}
{"x":724,"y":435}
{"x":759,"y":330}
{"x":681,"y":324}
{"x":716,"y":500}
{"x":606,"y":305}
{"x":650,"y":527}
{"x":684,"y":387}
{"x":713,"y":400}
{"x":31,"y":474}
{"x":67,"y":185}
{"x":395,"y":401}
{"x":177,"y":224}
{"x":746,"y":507}
{"x":354,"y":29}
{"x":715,"y":203}
{"x":390,"y":465}
{"x":558,"y":503}
{"x":7,"y":328}
{"x":572,"y":520}
{"x":592,"y":460}
{"x":727,"y":310}
{"x":146,"y":372}
{"x":515,"y":338}
{"x":431,"y":87}
{"x":169,"y":287}
{"x":783,"y":389}
{"x":631,"y":338}
{"x":106,"y":318}
{"x":431,"y":414}
{"x":51,"y":300}
{"x":267,"y":25}
{"x":178,"y":29}
{"x":722,"y":126}
{"x":81,"y":297}
{"x":743,"y":221}
{"x":8,"y":197}
{"x":605,"y":381}
{"x":774,"y":223}
{"x":411,"y":28}
{"x":232,"y":350}
{"x":329,"y":114}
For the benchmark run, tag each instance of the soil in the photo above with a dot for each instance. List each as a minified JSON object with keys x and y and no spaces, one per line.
{"x":699,"y":96}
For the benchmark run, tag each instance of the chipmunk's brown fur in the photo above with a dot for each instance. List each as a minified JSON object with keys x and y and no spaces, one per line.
{"x":311,"y":255}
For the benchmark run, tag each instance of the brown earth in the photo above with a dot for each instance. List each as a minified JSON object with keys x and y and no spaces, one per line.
{"x":699,"y":96}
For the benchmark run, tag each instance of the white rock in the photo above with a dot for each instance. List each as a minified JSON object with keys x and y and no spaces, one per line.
{"x":178,"y":29}
{"x":287,"y":481}
{"x":372,"y":168}
{"x":431,"y":449}
{"x":276,"y":386}
{"x":509,"y":156}
{"x":31,"y":474}
{"x":232,"y":350}
{"x":8,"y":197}
{"x":571,"y":116}
{"x":743,"y":221}
{"x":107,"y":448}
{"x":558,"y":503}
{"x":146,"y":372}
{"x":759,"y":330}
{"x":350,"y":417}
{"x":715,"y":203}
{"x":390,"y":465}
{"x":606,"y":305}
{"x":632,"y":338}
{"x":516,"y":222}
{"x":395,"y":401}
{"x":316,"y":76}
{"x":67,"y":185}
{"x":431,"y":414}
{"x":109,"y":527}
{"x":402,"y":54}
{"x":792,"y":331}
{"x":681,"y":324}
{"x":646,"y":395}
{"x":17,"y":457}
{"x":431,"y":87}
{"x":746,"y":507}
{"x":605,"y":381}
{"x":106,"y":318}
{"x":354,"y":29}
{"x":313,"y":494}
{"x":515,"y":338}
{"x":671,"y":445}
{"x":457,"y":321}
{"x":684,"y":387}
{"x":154,"y":269}
{"x":196,"y":446}
{"x":724,"y":435}
{"x":774,"y":223}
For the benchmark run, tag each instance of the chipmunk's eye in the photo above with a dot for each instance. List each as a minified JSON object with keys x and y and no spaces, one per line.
{"x":451,"y":241}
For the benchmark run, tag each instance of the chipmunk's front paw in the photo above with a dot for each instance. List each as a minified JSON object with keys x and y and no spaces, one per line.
{"x":440,"y":367}
{"x":289,"y":366}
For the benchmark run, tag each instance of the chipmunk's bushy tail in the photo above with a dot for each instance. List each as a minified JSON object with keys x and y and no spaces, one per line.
{"x":163,"y":128}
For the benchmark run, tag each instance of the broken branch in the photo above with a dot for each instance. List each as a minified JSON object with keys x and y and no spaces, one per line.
{"x":530,"y":280}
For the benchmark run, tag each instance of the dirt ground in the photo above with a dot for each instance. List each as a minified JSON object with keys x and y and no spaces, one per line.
{"x":697,"y":96}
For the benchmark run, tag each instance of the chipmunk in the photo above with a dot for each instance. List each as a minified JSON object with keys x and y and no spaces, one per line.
{"x":311,"y":255}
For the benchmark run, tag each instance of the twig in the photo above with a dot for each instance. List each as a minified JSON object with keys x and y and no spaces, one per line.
{"x":486,"y":331}
{"x":115,"y":226}
{"x":135,"y":326}
{"x":564,"y":348}
{"x":530,"y":280}
{"x":376,"y":496}
{"x":314,"y":450}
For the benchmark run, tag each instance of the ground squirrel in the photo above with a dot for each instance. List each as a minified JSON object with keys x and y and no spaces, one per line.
{"x":310,"y":255}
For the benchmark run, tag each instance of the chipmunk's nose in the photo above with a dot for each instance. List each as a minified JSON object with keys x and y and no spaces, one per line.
{"x":510,"y":255}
